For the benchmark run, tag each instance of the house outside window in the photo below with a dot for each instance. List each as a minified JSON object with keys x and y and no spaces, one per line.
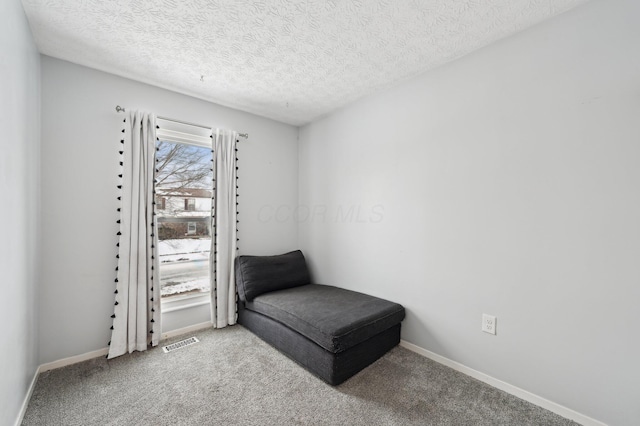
{"x":184,"y":191}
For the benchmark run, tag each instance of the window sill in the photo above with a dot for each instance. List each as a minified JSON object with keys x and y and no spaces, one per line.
{"x":177,"y":303}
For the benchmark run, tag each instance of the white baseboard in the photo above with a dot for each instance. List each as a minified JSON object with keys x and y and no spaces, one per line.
{"x":104,"y":351}
{"x":72,"y":360}
{"x":90,"y":355}
{"x":185,"y":330}
{"x":27,"y":397}
{"x":499,"y":384}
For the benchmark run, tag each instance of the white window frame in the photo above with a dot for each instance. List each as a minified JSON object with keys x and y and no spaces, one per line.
{"x":202,"y":138}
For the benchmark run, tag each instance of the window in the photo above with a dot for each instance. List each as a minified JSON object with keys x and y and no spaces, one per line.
{"x":183,"y":212}
{"x":161,"y":203}
{"x":191,"y":228}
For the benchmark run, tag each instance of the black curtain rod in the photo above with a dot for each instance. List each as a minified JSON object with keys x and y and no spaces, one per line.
{"x":242,"y":135}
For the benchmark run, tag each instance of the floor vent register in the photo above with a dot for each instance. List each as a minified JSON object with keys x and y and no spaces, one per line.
{"x":181,"y":344}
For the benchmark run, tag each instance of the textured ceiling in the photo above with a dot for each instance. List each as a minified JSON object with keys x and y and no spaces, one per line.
{"x":292,"y":61}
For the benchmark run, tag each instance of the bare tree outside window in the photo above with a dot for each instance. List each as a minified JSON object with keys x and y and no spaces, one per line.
{"x":180,"y":165}
{"x":184,"y":186}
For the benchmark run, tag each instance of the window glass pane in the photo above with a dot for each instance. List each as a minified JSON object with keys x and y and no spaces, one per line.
{"x":183,"y":212}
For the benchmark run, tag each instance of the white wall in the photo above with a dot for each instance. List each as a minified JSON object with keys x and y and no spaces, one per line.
{"x":507,"y":183}
{"x":80,"y":139}
{"x":19,"y":215}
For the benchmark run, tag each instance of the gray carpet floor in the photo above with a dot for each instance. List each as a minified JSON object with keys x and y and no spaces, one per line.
{"x":233,"y":378}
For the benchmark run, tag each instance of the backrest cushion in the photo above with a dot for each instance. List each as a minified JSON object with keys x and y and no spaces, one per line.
{"x":256,"y":275}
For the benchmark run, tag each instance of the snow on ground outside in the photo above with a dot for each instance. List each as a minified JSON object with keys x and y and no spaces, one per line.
{"x":184,"y":246}
{"x":168,"y":258}
{"x":201,"y":284}
{"x":183,"y":251}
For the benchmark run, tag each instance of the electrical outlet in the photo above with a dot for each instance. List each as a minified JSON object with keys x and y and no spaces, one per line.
{"x":489,"y":324}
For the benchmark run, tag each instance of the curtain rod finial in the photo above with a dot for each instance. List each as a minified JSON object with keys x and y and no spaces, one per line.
{"x":119,"y":109}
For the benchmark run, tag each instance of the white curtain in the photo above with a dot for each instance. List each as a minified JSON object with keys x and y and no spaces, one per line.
{"x":224,"y":228}
{"x":136,"y":318}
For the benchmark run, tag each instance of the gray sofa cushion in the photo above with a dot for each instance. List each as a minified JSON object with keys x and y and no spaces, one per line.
{"x":334,"y":318}
{"x":330,"y":367}
{"x":256,"y":275}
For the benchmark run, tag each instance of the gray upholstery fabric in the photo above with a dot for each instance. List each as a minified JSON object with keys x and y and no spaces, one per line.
{"x":332,"y":368}
{"x":334,"y":318}
{"x":256,"y":275}
{"x":332,"y":332}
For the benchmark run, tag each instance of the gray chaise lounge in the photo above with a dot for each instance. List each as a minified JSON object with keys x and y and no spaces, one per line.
{"x":332,"y":332}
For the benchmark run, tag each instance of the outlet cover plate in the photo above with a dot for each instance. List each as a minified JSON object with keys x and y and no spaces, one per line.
{"x":489,"y":324}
